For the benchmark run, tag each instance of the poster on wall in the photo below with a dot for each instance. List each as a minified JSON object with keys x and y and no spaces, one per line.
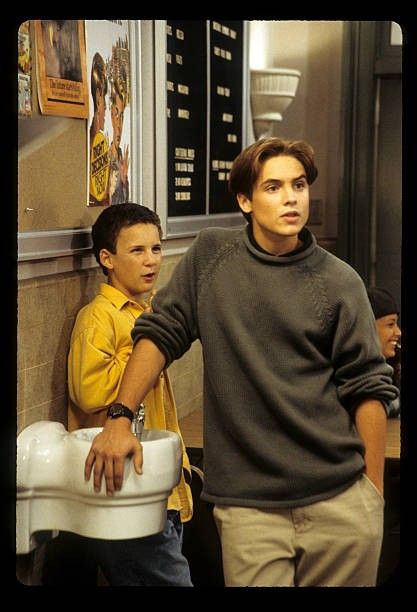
{"x":24,"y":75}
{"x":109,"y":125}
{"x":61,"y":69}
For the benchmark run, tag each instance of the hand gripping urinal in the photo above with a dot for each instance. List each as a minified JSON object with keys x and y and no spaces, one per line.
{"x":51,"y":493}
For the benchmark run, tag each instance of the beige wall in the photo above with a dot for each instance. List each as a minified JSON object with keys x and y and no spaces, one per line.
{"x":46,"y":312}
{"x":315,"y":49}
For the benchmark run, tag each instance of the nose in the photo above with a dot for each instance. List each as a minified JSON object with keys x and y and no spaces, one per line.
{"x":290,"y":195}
{"x":151,"y":258}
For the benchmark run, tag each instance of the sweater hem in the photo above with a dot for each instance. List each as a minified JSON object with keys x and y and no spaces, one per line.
{"x":287,"y":503}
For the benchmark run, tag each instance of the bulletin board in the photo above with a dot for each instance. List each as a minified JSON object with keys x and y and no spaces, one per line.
{"x":54,"y":218}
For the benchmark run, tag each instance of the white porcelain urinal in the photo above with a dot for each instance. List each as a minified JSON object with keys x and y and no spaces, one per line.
{"x":52,"y":494}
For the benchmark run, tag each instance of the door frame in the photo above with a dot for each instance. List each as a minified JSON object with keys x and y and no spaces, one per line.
{"x":368,"y":56}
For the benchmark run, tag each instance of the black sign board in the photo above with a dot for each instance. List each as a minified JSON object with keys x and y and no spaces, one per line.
{"x":186,"y":117}
{"x":226,"y":74}
{"x":204,"y":114}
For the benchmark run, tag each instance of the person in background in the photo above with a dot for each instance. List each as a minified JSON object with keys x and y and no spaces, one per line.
{"x":127,"y":245}
{"x":99,"y":147}
{"x":386,"y":314}
{"x":295,"y":385}
{"x":119,"y":161}
{"x":98,"y":93}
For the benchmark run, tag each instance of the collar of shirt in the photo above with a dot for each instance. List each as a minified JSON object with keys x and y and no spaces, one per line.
{"x":119,"y":299}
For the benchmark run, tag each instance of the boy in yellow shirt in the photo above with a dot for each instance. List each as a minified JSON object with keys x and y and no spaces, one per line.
{"x":127,"y":245}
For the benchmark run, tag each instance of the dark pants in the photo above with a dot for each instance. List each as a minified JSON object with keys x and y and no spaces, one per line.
{"x":69,"y":560}
{"x":155,"y":560}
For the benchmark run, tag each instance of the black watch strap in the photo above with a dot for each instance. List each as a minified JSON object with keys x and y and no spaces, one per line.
{"x":118,"y":410}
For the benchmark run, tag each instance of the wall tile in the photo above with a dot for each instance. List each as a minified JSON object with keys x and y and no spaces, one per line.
{"x":80,"y":289}
{"x":191,"y":359}
{"x":47,"y":341}
{"x":20,"y":354}
{"x":29,"y":416}
{"x":52,"y":410}
{"x":38,"y":301}
{"x":20,"y":391}
{"x":186,"y":408}
{"x":44,"y":382}
{"x":187,"y":387}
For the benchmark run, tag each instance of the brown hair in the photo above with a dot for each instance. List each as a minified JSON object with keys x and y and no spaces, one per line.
{"x":108,"y":225}
{"x":118,"y":89}
{"x":247,"y":165}
{"x":98,"y":78}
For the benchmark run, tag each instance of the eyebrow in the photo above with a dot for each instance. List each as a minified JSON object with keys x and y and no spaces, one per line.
{"x":143,"y":246}
{"x":274,"y":180}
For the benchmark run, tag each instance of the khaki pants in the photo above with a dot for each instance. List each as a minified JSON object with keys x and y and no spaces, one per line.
{"x":336,"y":542}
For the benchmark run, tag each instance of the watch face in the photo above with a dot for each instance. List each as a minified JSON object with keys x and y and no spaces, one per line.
{"x":118,"y":410}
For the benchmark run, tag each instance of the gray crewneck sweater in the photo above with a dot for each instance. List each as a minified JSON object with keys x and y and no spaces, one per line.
{"x":289,"y":348}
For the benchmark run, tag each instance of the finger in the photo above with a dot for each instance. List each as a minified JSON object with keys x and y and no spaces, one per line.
{"x":89,"y":462}
{"x":138,"y":459}
{"x":108,"y":475}
{"x":119,"y":464}
{"x":98,"y":473}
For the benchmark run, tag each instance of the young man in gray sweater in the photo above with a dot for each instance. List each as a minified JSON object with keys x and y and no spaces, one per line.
{"x":295,"y":385}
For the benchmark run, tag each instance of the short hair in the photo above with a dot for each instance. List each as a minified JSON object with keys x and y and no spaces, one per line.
{"x":106,"y":229}
{"x":118,"y":89}
{"x":98,"y":77}
{"x":247,"y":165}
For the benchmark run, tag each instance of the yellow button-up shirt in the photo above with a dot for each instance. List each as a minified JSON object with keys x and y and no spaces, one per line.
{"x":99,"y":350}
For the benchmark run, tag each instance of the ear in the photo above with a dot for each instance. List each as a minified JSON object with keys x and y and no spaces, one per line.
{"x":106,"y":259}
{"x":244,"y":203}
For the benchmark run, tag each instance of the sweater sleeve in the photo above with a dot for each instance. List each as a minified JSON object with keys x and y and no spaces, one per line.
{"x":172,"y":324}
{"x":361,"y":371}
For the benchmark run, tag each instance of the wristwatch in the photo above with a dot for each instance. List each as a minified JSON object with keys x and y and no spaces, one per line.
{"x":118,"y":410}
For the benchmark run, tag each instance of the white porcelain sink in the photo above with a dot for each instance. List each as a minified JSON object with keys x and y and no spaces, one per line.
{"x":53,"y":495}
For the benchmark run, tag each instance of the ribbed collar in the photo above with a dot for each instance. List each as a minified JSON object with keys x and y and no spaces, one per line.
{"x":309,"y":244}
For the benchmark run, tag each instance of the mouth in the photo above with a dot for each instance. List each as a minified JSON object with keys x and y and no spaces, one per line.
{"x":291,"y":213}
{"x":291,"y":216}
{"x":149,"y":277}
